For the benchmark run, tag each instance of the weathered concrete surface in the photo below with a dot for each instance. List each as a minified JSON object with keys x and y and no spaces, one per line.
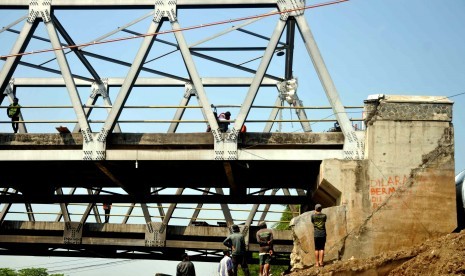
{"x":204,"y":139}
{"x":402,"y":194}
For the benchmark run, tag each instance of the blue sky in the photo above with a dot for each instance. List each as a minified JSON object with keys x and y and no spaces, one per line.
{"x":398,"y":47}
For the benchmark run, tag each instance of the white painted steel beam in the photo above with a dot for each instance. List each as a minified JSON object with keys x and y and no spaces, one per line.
{"x":143,"y":82}
{"x":69,"y":82}
{"x":128,"y":82}
{"x":113,"y":4}
{"x":226,"y":210}
{"x":325,"y":77}
{"x":20,"y":45}
{"x":196,"y":80}
{"x":255,"y":85}
{"x":197,"y":154}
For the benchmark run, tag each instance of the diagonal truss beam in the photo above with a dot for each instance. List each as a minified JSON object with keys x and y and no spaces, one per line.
{"x":253,"y":89}
{"x":19,"y":47}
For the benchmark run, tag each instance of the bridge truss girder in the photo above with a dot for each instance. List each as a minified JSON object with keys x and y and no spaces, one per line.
{"x":225,"y":157}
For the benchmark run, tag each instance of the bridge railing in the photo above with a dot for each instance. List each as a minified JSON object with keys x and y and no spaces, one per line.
{"x":50,"y":125}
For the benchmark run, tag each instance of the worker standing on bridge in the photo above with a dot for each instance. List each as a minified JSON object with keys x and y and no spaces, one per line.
{"x":319,"y":233}
{"x":265,"y":241}
{"x":185,"y":267}
{"x":236,"y":242}
{"x":222,"y":118}
{"x":107,"y":209}
{"x":13,"y":112}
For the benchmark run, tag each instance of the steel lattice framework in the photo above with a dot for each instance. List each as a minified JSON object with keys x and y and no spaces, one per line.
{"x":99,"y":161}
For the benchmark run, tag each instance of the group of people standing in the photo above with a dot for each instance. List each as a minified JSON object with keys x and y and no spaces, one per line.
{"x":235,"y":255}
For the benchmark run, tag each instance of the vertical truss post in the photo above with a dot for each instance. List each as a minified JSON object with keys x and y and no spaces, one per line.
{"x":353,"y":144}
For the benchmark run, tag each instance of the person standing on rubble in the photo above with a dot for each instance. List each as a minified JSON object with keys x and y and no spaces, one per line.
{"x":319,"y":233}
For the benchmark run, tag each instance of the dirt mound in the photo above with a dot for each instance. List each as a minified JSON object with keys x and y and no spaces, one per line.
{"x":442,"y":256}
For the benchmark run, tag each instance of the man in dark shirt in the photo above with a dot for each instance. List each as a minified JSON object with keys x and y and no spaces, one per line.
{"x":13,"y":112}
{"x":236,"y":242}
{"x":265,"y":240}
{"x":186,"y":267}
{"x":319,"y":221}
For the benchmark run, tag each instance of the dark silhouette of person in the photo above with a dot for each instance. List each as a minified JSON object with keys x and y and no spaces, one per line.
{"x":185,"y":267}
{"x":107,"y":209}
{"x":13,"y":112}
{"x":222,"y":118}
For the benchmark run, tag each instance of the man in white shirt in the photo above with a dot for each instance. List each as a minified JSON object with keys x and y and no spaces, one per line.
{"x":226,"y":266}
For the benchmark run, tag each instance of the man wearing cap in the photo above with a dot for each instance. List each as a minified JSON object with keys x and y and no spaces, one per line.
{"x":236,"y":242}
{"x":319,"y":232}
{"x":265,"y":241}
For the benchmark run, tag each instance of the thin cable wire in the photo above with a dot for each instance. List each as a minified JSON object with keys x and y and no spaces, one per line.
{"x":173,"y":31}
{"x":91,"y":267}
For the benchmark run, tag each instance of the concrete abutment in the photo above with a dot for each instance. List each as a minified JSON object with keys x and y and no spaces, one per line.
{"x":401,"y":194}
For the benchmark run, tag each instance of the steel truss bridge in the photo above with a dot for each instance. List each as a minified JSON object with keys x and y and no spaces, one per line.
{"x":173,"y":186}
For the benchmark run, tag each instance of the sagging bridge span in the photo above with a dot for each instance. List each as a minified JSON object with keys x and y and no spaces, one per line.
{"x":173,"y":187}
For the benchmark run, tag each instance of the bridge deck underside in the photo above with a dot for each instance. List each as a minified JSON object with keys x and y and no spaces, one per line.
{"x":49,"y":178}
{"x":123,"y":241}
